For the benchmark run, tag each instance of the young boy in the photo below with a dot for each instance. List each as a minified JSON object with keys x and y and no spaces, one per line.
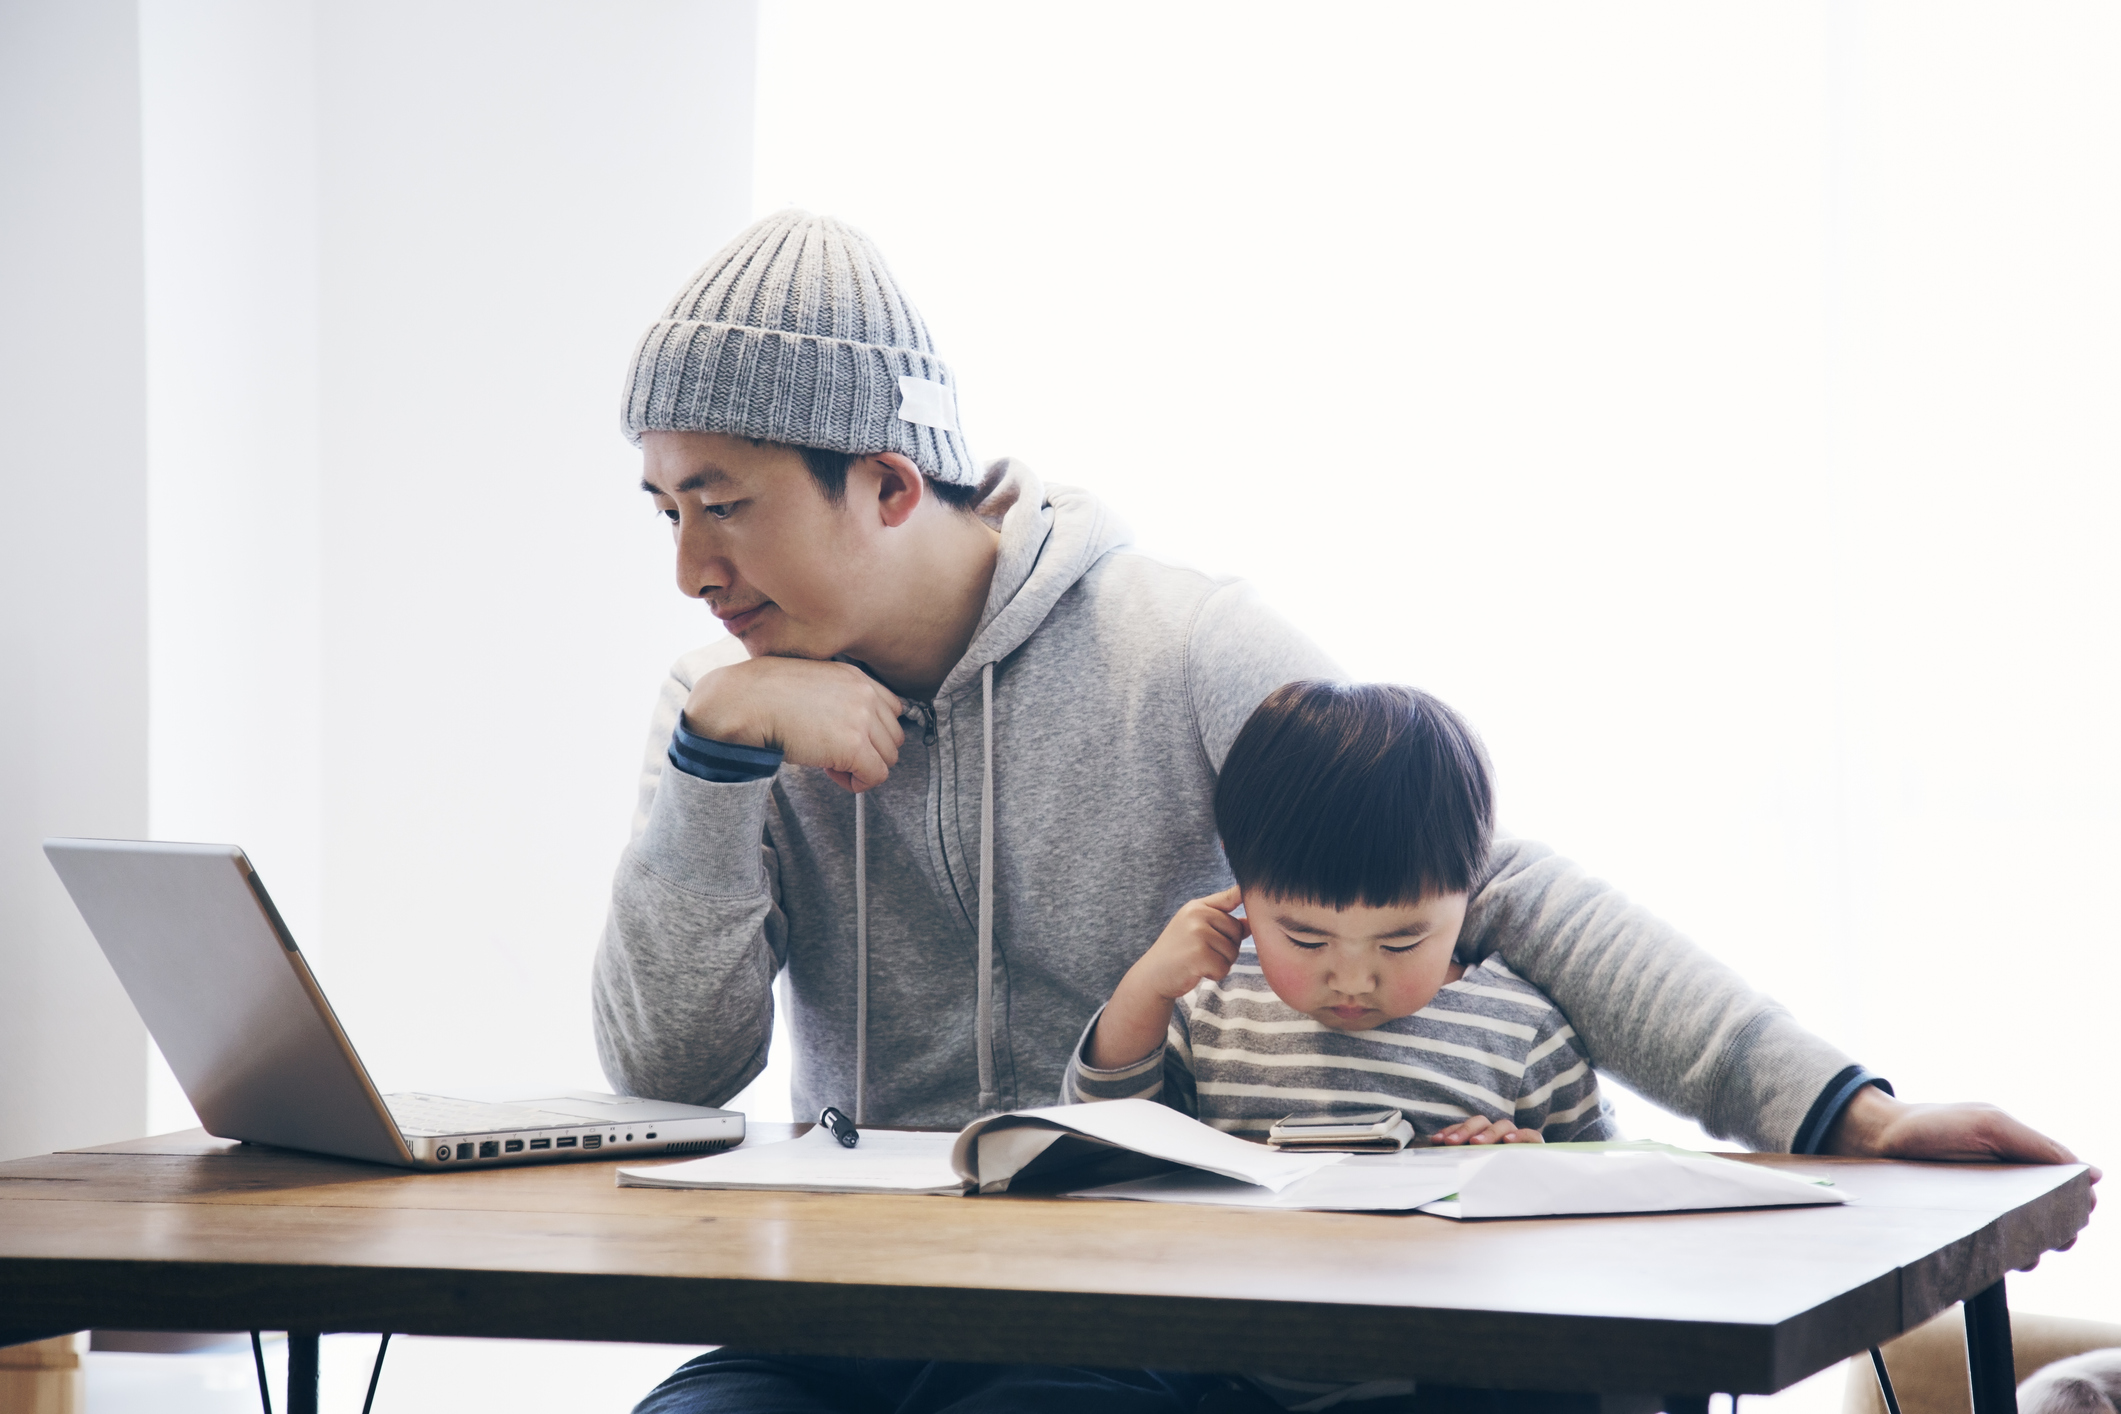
{"x":1356,"y":820}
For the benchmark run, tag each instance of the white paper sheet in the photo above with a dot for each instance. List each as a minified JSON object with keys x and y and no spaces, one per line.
{"x":1145,"y":1127}
{"x":1522,"y":1181}
{"x":1362,"y":1183}
{"x":1528,"y":1181}
{"x":886,"y":1161}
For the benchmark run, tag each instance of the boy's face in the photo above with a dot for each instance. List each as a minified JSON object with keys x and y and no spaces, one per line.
{"x":785,"y":570}
{"x":1357,"y":967}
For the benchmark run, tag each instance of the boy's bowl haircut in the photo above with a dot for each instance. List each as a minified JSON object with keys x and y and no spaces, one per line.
{"x":1369,"y":793}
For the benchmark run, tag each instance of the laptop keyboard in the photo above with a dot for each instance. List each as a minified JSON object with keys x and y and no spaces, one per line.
{"x":424,"y":1115}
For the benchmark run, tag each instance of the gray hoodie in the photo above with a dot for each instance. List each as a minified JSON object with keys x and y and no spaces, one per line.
{"x":1115,"y":685}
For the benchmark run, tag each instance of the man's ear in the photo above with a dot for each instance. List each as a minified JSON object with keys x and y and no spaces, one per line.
{"x":899,"y":487}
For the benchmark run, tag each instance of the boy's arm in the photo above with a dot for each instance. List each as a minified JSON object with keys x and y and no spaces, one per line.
{"x":682,"y":990}
{"x":1164,"y":1075}
{"x":1201,"y":942}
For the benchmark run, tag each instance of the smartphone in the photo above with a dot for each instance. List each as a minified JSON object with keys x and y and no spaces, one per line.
{"x":1356,"y":1130}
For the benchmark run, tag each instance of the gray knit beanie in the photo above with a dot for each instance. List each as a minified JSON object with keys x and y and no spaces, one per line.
{"x":796,"y":333}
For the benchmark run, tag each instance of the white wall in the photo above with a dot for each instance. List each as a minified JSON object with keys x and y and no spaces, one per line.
{"x":1714,"y":402}
{"x":411,"y":612}
{"x":73,"y":608}
{"x":229,"y":117}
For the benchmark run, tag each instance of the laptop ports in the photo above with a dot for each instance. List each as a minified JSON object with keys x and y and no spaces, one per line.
{"x":565,"y":1143}
{"x":490,"y":1149}
{"x":592,"y":1141}
{"x":541,"y":1143}
{"x":514,"y":1146}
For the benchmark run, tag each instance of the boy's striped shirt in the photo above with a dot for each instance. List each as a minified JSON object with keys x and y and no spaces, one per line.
{"x":1239,"y":1058}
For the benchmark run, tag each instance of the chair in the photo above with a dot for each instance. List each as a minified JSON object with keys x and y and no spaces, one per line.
{"x":1928,"y":1364}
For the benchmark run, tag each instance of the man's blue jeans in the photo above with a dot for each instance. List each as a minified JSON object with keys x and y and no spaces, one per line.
{"x":733,"y":1382}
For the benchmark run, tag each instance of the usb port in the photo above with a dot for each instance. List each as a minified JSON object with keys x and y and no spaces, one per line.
{"x":541,"y":1143}
{"x":567,"y":1143}
{"x":489,"y":1149}
{"x":592,"y":1141}
{"x":514,"y":1146}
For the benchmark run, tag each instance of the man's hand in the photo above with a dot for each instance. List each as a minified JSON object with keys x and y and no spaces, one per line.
{"x":1874,"y":1125}
{"x":830,"y":715}
{"x":1481,"y":1130}
{"x":1200,"y":942}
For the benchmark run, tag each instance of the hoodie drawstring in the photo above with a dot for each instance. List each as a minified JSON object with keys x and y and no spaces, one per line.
{"x":990,"y":1099}
{"x":861,"y":961}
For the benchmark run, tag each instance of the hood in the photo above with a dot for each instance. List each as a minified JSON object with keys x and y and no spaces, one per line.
{"x":1051,"y":536}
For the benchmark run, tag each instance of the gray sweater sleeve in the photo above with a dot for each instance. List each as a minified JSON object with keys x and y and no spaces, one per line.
{"x":1238,"y":652}
{"x":1654,"y":1011}
{"x":682,"y":992}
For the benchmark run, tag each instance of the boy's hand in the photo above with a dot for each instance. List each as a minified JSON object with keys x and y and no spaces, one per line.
{"x":1200,"y":942}
{"x":830,"y":715}
{"x":1480,"y":1130}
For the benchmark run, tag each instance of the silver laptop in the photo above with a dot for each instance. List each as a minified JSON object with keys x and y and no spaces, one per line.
{"x":195,"y":939}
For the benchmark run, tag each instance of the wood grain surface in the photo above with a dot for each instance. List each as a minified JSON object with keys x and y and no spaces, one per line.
{"x":191,"y":1233}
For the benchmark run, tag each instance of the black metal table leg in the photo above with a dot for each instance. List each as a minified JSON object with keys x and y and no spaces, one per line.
{"x":302,"y":1352}
{"x":1990,"y":1367}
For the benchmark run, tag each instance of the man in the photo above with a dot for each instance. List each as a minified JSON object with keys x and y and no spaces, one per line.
{"x":953,"y":769}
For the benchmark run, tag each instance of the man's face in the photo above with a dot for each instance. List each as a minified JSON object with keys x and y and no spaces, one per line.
{"x":784,"y":569}
{"x":1357,"y":967}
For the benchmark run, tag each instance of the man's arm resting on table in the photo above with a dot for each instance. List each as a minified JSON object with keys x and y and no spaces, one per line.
{"x":682,"y":990}
{"x":1875,"y":1125}
{"x":1655,"y":1012}
{"x":1670,"y":1021}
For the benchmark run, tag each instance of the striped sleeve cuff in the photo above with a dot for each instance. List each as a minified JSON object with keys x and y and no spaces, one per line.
{"x":1143,"y":1080}
{"x":1831,"y":1102}
{"x":720,"y":761}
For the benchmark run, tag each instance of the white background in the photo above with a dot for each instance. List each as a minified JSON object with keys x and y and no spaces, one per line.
{"x":1715,"y":403}
{"x":409,"y":613}
{"x":73,"y":538}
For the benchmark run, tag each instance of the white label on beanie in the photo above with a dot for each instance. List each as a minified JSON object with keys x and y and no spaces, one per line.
{"x":928,"y":404}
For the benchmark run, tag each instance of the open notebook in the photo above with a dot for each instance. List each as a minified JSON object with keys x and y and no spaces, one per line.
{"x":1142,"y":1151}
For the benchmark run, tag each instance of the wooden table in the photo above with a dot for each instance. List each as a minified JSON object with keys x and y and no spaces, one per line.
{"x":191,"y":1233}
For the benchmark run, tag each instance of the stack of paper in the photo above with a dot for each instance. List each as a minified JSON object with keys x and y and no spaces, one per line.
{"x":988,"y":1155}
{"x":1358,"y":1183}
{"x":994,"y":1152}
{"x":1523,"y":1182}
{"x":886,"y":1161}
{"x":1072,"y":1149}
{"x":1509,"y":1181}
